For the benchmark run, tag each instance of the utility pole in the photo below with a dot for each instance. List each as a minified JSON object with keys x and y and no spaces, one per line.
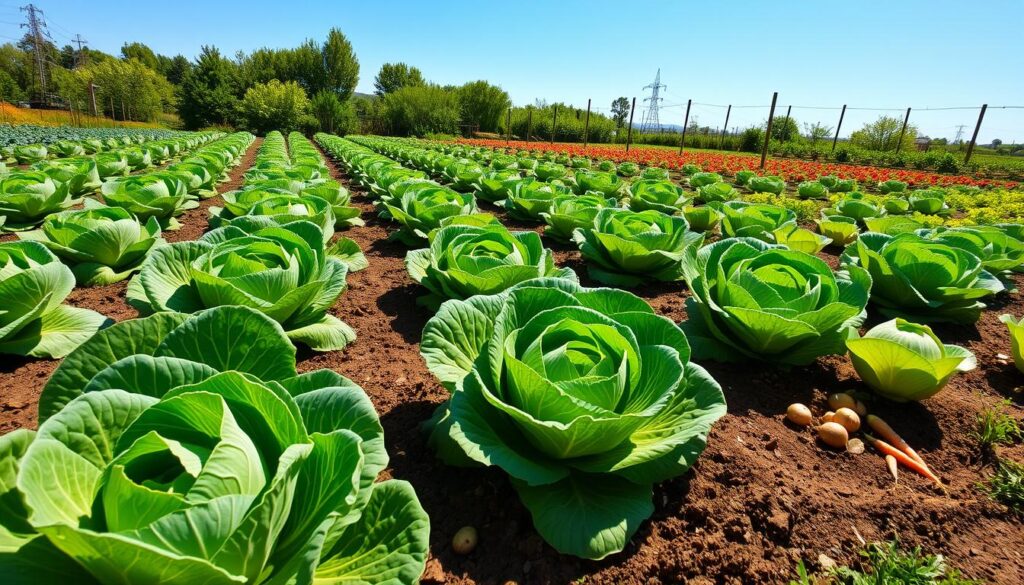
{"x":629,"y":132}
{"x":651,"y":121}
{"x":92,"y":98}
{"x":81,"y":59}
{"x":768,"y":131}
{"x":36,"y":25}
{"x":974,"y":137}
{"x":586,"y":126}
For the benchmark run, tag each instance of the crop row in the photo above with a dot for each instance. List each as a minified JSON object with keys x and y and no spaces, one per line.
{"x":24,"y":134}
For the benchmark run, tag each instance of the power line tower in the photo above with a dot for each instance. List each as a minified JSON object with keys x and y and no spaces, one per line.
{"x":37,"y":29}
{"x":959,"y":133}
{"x":651,"y":121}
{"x":81,"y":59}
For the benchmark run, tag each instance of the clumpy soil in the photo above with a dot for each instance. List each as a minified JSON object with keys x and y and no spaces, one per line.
{"x":764,"y":495}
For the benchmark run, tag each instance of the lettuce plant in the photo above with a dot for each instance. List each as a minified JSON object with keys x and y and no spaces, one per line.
{"x":654,"y":174}
{"x":463,"y":175}
{"x":800,"y":239}
{"x":922,"y":280}
{"x":550,"y":171}
{"x":891,"y":186}
{"x":840,"y":229}
{"x":607,"y":184}
{"x":81,"y":174}
{"x":466,"y":260}
{"x":689,"y":169}
{"x":569,"y":212}
{"x":663,"y":196}
{"x":702,"y":219}
{"x":160,"y":194}
{"x":201,"y":181}
{"x":225,"y":466}
{"x":27,"y":154}
{"x":111,"y":164}
{"x":529,"y":199}
{"x":904,"y":361}
{"x":491,"y":186}
{"x":1016,"y":328}
{"x":340,"y":200}
{"x":33,"y":322}
{"x":580,"y":162}
{"x":698,"y":180}
{"x":584,"y":397}
{"x":856,"y":206}
{"x":102,"y":245}
{"x":282,"y":271}
{"x":720,"y":191}
{"x":892,"y":225}
{"x":811,"y":190}
{"x":627,"y":248}
{"x":422,"y":210}
{"x":767,"y":184}
{"x":282,"y":206}
{"x":26,"y":198}
{"x":628,"y":169}
{"x":741,"y":178}
{"x":928,"y":202}
{"x":755,"y":300}
{"x":754,"y":220}
{"x":896,"y":206}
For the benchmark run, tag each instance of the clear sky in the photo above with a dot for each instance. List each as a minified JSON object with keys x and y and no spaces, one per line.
{"x":865,"y":53}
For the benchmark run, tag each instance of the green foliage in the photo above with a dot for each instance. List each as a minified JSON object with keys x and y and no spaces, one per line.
{"x":620,"y":111}
{"x":1006,"y":485}
{"x":332,"y":115}
{"x":483,"y":105}
{"x":887,"y":564}
{"x":755,"y":300}
{"x":394,"y":76}
{"x":420,"y":110}
{"x":421,"y":210}
{"x":585,"y":397}
{"x":135,"y":91}
{"x":904,"y":361}
{"x":27,"y":197}
{"x":741,"y":219}
{"x":341,"y":67}
{"x":161,"y":194}
{"x":529,"y":198}
{"x":274,"y":106}
{"x":466,"y":260}
{"x":33,"y":284}
{"x":922,"y":280}
{"x":995,"y":426}
{"x":663,"y":196}
{"x":883,"y":134}
{"x":228,"y":466}
{"x":209,"y":91}
{"x":569,"y":212}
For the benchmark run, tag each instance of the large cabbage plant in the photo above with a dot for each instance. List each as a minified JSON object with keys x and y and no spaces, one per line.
{"x":606,"y":184}
{"x":663,"y":196}
{"x":585,"y":397}
{"x":467,"y":260}
{"x":184,"y":449}
{"x":569,"y":212}
{"x":923,"y":280}
{"x":751,"y":299}
{"x":81,"y":174}
{"x":529,"y":199}
{"x":282,"y":206}
{"x":102,"y":245}
{"x":755,"y":220}
{"x":627,"y":248}
{"x":421,"y":210}
{"x":161,"y":194}
{"x":26,"y":198}
{"x":282,"y":271}
{"x":33,"y":322}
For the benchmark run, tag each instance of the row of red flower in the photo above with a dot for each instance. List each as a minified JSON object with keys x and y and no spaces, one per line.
{"x":789,"y":169}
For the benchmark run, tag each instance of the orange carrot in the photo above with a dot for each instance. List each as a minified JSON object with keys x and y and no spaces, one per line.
{"x":903,"y":459}
{"x":885,"y":431}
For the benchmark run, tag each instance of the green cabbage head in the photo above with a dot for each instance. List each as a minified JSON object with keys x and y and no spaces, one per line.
{"x":184,"y":449}
{"x":904,"y":361}
{"x":26,"y":198}
{"x":568,"y":212}
{"x":33,"y":322}
{"x":281,"y":271}
{"x":467,"y":260}
{"x":160,"y":194}
{"x":754,"y":220}
{"x":840,"y":229}
{"x":755,"y":300}
{"x":1016,"y":327}
{"x":663,"y":196}
{"x":585,"y":397}
{"x":922,"y":280}
{"x":628,"y":248}
{"x":102,"y":245}
{"x":421,"y":210}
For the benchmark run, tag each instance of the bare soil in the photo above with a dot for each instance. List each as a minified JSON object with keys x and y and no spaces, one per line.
{"x":762,"y":497}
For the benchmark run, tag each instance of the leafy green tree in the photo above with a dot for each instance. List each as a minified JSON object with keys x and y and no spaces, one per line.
{"x":209,"y":90}
{"x":136,"y":91}
{"x":785,"y":129}
{"x":141,"y":53}
{"x":817,"y":131}
{"x":482,"y":104}
{"x":9,"y":90}
{"x":340,"y":64}
{"x":394,"y":76}
{"x":305,"y":65}
{"x":333,"y":115}
{"x":420,"y":110}
{"x":620,"y":109}
{"x":176,"y":68}
{"x":274,"y":106}
{"x":883,"y":134}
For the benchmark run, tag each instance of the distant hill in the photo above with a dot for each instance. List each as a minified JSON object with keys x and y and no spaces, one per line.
{"x":365,"y":96}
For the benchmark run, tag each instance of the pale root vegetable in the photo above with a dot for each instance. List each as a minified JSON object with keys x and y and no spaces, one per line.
{"x":848,"y":418}
{"x":828,"y":416}
{"x":799,"y":414}
{"x":464,"y":540}
{"x":841,"y":400}
{"x":893,"y":468}
{"x":833,"y":434}
{"x":855,"y":446}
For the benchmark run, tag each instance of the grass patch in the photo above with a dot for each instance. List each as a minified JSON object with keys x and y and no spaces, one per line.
{"x":1006,"y":485}
{"x":886,"y":563}
{"x":996,"y":427}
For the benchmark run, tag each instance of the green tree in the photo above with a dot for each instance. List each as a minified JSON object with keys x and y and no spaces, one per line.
{"x":420,"y":110}
{"x":274,"y":106}
{"x":305,"y":65}
{"x":333,"y":115}
{"x":176,"y":69}
{"x":124,"y":89}
{"x":620,"y":110}
{"x":482,"y":104}
{"x":817,"y":131}
{"x":141,"y":53}
{"x":209,"y":91}
{"x":883,"y":134}
{"x":341,"y":65}
{"x":9,"y":90}
{"x":394,"y":76}
{"x":785,"y":129}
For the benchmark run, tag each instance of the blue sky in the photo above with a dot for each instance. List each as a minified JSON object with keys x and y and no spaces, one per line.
{"x":867,"y":54}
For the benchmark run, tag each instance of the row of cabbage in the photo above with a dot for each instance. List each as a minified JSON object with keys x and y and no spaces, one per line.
{"x":585,"y":397}
{"x":759,"y":291}
{"x":31,"y":153}
{"x":272,"y":248}
{"x":207,"y":457}
{"x":103,"y":243}
{"x":31,"y":134}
